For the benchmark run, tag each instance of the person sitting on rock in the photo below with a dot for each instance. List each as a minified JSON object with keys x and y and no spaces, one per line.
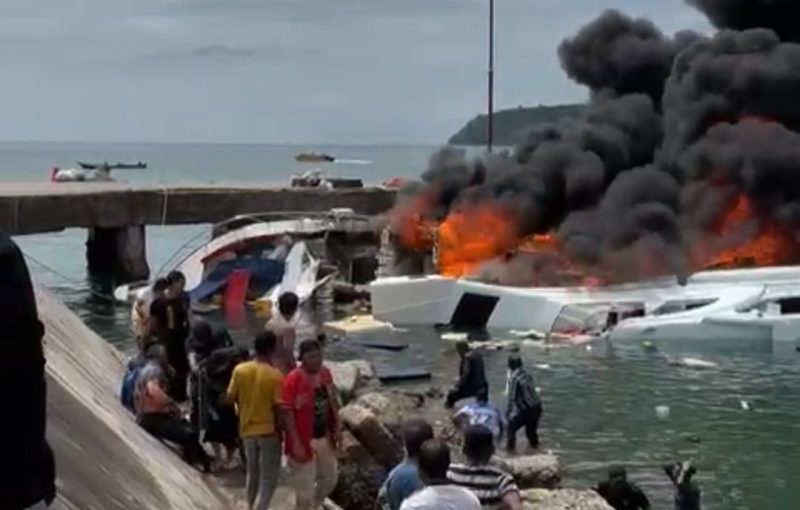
{"x":481,"y":412}
{"x":524,"y":408}
{"x":620,"y":493}
{"x":687,"y":493}
{"x":495,"y":488}
{"x":159,"y":414}
{"x":404,"y":479}
{"x":471,"y":375}
{"x":439,"y":493}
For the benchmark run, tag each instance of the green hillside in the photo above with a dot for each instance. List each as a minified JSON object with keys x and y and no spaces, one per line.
{"x":509,"y":123}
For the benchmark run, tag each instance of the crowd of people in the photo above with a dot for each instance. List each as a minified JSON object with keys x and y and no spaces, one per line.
{"x":193,"y":385}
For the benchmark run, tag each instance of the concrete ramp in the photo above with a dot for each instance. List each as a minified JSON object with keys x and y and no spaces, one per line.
{"x":104,"y":460}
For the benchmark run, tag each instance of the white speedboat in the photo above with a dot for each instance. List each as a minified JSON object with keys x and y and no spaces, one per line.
{"x":273,"y":252}
{"x":758,"y":304}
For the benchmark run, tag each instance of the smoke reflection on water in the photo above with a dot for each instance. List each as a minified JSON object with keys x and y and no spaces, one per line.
{"x":599,"y":405}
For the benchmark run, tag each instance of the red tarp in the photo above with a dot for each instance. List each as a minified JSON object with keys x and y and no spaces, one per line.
{"x":235,"y":295}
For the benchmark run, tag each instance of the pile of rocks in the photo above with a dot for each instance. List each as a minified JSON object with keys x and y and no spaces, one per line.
{"x":563,"y":499}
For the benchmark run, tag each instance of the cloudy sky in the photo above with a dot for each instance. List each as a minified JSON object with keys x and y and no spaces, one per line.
{"x":276,"y":71}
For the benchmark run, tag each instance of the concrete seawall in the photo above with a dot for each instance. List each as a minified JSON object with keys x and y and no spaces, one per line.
{"x":103,"y":459}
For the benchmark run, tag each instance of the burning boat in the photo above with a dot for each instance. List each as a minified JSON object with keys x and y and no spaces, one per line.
{"x":674,"y":200}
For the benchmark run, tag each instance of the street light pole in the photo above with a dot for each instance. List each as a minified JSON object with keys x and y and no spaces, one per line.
{"x":490,"y":119}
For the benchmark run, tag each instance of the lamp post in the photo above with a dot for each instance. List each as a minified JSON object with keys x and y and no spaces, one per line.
{"x":490,"y":113}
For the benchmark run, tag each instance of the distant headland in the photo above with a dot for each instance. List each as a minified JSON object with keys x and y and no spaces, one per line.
{"x":509,"y":123}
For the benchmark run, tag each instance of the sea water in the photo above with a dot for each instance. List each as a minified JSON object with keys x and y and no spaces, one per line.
{"x":599,"y":403}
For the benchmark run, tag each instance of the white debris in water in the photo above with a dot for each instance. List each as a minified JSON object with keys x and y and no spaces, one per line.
{"x":589,"y":348}
{"x":692,"y":363}
{"x":453,"y":337}
{"x":745,"y":405}
{"x":527,"y":333}
{"x":662,"y":412}
{"x":543,"y":366}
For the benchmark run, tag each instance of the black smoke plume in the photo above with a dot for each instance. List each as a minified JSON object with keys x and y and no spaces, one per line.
{"x":781,"y":16}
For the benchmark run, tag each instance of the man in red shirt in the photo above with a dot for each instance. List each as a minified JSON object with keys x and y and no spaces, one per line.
{"x":313,"y":427}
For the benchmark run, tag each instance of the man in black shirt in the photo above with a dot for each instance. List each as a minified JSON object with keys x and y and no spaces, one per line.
{"x":621,"y":494}
{"x":524,"y":407}
{"x":472,"y":377}
{"x":27,"y":462}
{"x":169,"y":319}
{"x":687,"y":493}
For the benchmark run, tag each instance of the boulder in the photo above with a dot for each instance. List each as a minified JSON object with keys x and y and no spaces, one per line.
{"x":373,"y":434}
{"x":360,"y":476}
{"x":349,"y":376}
{"x":532,"y":471}
{"x":563,"y":499}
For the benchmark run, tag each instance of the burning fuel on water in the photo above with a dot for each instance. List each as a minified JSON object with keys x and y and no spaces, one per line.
{"x":686,"y":158}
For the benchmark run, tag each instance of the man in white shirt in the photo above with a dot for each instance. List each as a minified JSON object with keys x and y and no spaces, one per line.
{"x":438,"y":494}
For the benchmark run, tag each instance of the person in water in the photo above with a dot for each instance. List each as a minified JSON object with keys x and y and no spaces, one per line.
{"x":472,"y":377}
{"x":159,"y":414}
{"x":495,"y":488}
{"x":283,"y":325}
{"x":687,"y":492}
{"x":620,"y":493}
{"x":481,"y":412}
{"x":524,"y":408}
{"x":255,"y":389}
{"x":28,"y":464}
{"x":404,"y":480}
{"x":439,"y":493}
{"x":313,"y":427}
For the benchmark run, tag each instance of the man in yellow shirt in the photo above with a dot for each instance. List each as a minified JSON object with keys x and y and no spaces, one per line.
{"x":255,"y":389}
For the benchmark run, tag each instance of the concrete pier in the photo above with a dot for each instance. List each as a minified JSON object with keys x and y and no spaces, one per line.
{"x":31,"y":208}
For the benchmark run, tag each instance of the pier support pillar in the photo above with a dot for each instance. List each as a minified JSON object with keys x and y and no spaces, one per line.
{"x":119,"y":252}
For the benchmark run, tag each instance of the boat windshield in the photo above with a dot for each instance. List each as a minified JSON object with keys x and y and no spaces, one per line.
{"x":682,"y":305}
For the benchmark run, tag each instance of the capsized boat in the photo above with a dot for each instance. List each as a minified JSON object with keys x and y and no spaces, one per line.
{"x":742,"y":304}
{"x":113,"y":166}
{"x":79,"y":175}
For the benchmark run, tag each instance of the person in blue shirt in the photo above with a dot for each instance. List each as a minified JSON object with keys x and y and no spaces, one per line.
{"x":404,"y":479}
{"x":481,"y":412}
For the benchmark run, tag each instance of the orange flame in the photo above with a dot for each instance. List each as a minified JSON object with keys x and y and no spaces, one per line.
{"x":771,"y":245}
{"x":409,"y":223}
{"x":470,"y":237}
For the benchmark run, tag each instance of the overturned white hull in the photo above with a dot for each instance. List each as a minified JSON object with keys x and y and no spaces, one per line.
{"x":750,"y":304}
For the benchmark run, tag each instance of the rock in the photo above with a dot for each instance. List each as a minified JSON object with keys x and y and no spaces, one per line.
{"x":373,"y":434}
{"x":360,"y":476}
{"x":349,"y":376}
{"x":563,"y":499}
{"x":532,"y":471}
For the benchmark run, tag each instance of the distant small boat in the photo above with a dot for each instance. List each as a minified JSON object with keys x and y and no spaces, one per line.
{"x":314,"y":157}
{"x":116,"y":166}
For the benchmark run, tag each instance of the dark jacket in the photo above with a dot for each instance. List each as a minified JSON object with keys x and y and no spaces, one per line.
{"x":621,"y":494}
{"x":472,"y":375}
{"x":27,"y":461}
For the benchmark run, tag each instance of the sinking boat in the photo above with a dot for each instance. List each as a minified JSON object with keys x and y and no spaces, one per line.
{"x":79,"y":175}
{"x":743,"y":304}
{"x":314,"y":157}
{"x":272,"y":254}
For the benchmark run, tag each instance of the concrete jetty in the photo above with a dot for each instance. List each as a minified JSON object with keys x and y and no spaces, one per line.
{"x":30,"y":208}
{"x":116,"y":214}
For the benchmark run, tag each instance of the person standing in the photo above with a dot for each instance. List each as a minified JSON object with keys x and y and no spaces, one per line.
{"x":687,"y":492}
{"x":471,"y":375}
{"x":494,"y":488}
{"x":404,"y":480}
{"x":524,"y":407}
{"x":439,"y":493}
{"x":255,"y":389}
{"x":140,"y":313}
{"x":169,"y":320}
{"x":312,"y":427}
{"x":28,"y":464}
{"x":283,"y":325}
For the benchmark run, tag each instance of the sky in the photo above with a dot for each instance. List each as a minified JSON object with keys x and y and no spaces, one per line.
{"x":283,"y":71}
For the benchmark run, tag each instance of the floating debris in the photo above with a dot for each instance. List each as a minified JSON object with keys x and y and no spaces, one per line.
{"x":691,"y":363}
{"x":745,"y":405}
{"x":454,"y":337}
{"x":662,"y":412}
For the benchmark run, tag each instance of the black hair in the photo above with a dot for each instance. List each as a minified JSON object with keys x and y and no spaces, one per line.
{"x":478,"y":444}
{"x":307,"y":346}
{"x":154,"y":351}
{"x":482,"y":395}
{"x":434,"y":459}
{"x":416,"y":432}
{"x":264,"y":343}
{"x":160,"y":284}
{"x":175,"y":277}
{"x":514,"y":362}
{"x":288,"y":302}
